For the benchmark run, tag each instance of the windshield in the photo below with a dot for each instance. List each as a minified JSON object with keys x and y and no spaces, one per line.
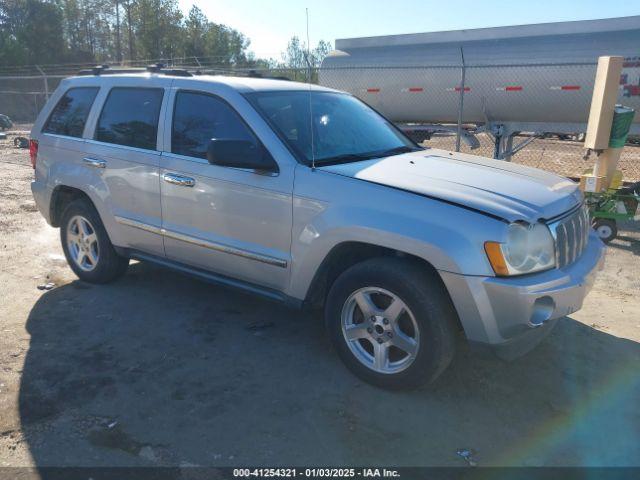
{"x":344,"y":128}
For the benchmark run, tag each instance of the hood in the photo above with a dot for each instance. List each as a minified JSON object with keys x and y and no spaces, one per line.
{"x":496,"y":187}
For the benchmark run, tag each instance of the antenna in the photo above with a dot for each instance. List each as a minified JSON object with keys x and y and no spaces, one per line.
{"x":313,"y":153}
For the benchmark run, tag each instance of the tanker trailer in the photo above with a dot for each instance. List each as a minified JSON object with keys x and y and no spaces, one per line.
{"x":529,"y":78}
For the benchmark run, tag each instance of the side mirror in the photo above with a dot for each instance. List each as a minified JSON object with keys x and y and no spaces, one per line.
{"x":239,"y":154}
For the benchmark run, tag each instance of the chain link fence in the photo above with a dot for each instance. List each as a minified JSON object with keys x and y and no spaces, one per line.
{"x":22,"y":97}
{"x":533,"y":115}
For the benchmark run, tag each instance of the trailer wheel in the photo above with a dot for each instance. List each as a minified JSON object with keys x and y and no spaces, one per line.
{"x":605,"y":228}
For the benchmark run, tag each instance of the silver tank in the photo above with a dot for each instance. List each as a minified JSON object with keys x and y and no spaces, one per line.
{"x":533,"y":73}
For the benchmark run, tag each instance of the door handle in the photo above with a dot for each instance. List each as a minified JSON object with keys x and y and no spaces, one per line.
{"x":179,"y":180}
{"x":94,"y":162}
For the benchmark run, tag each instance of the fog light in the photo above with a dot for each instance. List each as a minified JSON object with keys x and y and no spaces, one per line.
{"x":543,"y":308}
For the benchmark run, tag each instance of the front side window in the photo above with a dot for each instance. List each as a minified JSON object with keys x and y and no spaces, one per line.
{"x":197,"y":118}
{"x":130,"y":117}
{"x":71,"y":112}
{"x":329,"y":127}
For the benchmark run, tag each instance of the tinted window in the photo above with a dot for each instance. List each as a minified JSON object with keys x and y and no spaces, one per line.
{"x":130,"y":117}
{"x":71,"y":112}
{"x":198,"y":118}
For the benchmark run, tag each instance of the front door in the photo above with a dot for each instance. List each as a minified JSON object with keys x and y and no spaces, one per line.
{"x":231,"y":221}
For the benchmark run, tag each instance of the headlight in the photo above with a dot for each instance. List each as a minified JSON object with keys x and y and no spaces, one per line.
{"x":529,"y":248}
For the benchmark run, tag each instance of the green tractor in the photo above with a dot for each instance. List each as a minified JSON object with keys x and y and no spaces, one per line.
{"x":616,"y":203}
{"x":612,"y":206}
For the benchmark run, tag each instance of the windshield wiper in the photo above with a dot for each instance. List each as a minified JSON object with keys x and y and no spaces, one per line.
{"x":356,"y":157}
{"x":344,"y":158}
{"x":397,"y":151}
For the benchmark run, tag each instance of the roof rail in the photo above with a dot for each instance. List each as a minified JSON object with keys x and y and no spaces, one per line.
{"x":160,"y":68}
{"x":157,"y":68}
{"x":107,"y":70}
{"x":257,"y":74}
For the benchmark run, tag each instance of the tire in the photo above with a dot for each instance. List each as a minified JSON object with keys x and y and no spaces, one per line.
{"x":606,"y":229}
{"x":419,"y":136}
{"x":86,"y":245}
{"x":426,"y":326}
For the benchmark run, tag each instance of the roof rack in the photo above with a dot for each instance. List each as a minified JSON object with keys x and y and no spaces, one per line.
{"x":157,"y":68}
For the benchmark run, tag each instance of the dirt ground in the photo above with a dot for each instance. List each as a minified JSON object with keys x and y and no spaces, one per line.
{"x":162,"y":369}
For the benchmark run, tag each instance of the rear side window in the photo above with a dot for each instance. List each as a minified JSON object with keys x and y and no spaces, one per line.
{"x":197,"y":118}
{"x":71,"y":112}
{"x":130,"y":117}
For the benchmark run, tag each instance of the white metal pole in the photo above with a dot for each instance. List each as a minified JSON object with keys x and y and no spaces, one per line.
{"x":46,"y":82}
{"x":461,"y":106}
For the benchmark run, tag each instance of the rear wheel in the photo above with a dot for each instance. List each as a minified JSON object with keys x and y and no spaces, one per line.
{"x":392,"y":322}
{"x":606,"y":229}
{"x":86,"y":244}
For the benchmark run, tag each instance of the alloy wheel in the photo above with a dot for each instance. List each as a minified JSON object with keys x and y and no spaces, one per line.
{"x":82,"y":243}
{"x":380,"y":330}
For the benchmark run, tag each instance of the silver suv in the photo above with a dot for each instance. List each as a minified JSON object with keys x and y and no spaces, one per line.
{"x":307,"y":196}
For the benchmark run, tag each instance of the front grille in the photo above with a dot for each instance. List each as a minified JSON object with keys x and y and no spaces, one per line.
{"x":571,"y":234}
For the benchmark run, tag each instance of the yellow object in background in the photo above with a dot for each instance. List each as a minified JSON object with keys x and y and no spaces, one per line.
{"x":591,"y":183}
{"x":616,"y":181}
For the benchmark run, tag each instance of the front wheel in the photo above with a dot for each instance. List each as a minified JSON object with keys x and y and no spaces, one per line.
{"x":392,"y":322}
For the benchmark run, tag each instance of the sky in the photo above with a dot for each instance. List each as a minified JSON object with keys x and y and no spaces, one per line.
{"x":269,"y":24}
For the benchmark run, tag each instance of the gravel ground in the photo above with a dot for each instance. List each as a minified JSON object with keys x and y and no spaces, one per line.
{"x":161,"y":369}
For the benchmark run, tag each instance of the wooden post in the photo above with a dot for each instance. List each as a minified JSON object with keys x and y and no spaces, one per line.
{"x":605,"y":95}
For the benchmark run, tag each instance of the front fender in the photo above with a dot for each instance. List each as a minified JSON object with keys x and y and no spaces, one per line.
{"x":331,"y":209}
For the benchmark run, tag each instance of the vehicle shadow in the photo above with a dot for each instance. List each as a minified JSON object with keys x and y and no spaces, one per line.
{"x":627,"y":238}
{"x":625,"y":242}
{"x":161,"y":369}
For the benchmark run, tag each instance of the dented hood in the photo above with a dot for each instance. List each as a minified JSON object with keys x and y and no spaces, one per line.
{"x":499,"y":188}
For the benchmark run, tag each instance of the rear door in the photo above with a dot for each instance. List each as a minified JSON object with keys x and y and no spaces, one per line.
{"x":232,"y":221}
{"x":125,"y":149}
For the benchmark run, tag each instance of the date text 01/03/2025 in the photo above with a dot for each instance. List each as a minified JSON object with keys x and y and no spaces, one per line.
{"x":315,"y":473}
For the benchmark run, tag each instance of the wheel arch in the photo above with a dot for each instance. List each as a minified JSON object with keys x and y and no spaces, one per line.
{"x":61,"y":196}
{"x":346,"y":254}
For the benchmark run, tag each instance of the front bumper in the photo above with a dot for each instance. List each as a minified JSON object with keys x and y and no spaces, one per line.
{"x":515,"y":313}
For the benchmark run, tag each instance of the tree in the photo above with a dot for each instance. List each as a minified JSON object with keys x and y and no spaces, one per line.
{"x":87,"y":31}
{"x":33,"y":30}
{"x":118,"y":36}
{"x":157,"y":25}
{"x":131,"y":51}
{"x":11,"y":51}
{"x":300,"y":60}
{"x":196,"y":27}
{"x":322,"y":50}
